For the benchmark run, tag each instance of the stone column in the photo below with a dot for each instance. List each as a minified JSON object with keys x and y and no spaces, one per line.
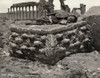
{"x":25,"y":12}
{"x":16,"y":12}
{"x":8,"y":14}
{"x":32,"y":12}
{"x":19,"y":13}
{"x":22,"y":12}
{"x":29,"y":13}
{"x":11,"y":13}
{"x":36,"y":11}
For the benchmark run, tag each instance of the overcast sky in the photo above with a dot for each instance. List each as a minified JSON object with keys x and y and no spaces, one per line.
{"x":4,"y":4}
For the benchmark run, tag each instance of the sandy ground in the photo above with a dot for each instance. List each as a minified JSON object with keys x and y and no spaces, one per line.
{"x":11,"y":67}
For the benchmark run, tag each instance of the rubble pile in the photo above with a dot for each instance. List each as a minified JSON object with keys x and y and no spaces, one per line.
{"x":49,"y":43}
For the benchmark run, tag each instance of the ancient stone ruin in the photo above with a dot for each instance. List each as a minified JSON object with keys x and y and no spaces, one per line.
{"x":44,"y":43}
{"x":23,"y":11}
{"x":80,"y":10}
{"x":51,"y":42}
{"x":34,"y":10}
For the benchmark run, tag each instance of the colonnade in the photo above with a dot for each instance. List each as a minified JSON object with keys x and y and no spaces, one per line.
{"x":23,"y":12}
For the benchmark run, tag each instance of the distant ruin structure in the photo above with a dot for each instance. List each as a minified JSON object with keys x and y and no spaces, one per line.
{"x":80,"y":10}
{"x":23,"y":11}
{"x":34,"y":10}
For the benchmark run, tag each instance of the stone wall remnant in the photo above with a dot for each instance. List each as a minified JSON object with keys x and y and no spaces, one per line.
{"x":79,"y":11}
{"x":49,"y":43}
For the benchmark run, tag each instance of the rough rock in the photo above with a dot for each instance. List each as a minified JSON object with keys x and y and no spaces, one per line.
{"x":94,"y":21}
{"x":61,"y":14}
{"x":74,"y":38}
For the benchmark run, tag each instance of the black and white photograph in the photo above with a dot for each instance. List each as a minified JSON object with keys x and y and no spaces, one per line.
{"x":49,"y":38}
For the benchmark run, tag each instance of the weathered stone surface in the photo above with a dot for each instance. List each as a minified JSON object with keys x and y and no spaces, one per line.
{"x":94,"y":21}
{"x":45,"y":42}
{"x":46,"y":29}
{"x":61,"y":14}
{"x":96,"y":36}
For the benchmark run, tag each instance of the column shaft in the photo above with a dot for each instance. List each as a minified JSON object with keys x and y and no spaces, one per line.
{"x":11,"y":13}
{"x":19,"y":13}
{"x":29,"y":12}
{"x":22,"y":12}
{"x":36,"y":11}
{"x":8,"y":14}
{"x":32,"y":12}
{"x":16,"y":12}
{"x":25,"y":12}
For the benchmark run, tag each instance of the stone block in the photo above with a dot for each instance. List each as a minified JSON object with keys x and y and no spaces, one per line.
{"x":49,"y":43}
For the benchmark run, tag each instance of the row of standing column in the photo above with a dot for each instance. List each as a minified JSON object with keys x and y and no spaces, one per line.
{"x":22,"y":13}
